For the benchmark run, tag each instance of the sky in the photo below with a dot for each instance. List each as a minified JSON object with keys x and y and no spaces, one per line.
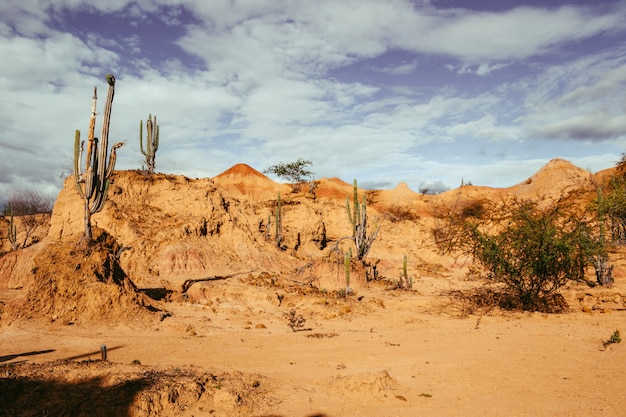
{"x":432,"y":93}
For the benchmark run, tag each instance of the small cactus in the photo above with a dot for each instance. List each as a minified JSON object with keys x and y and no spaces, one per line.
{"x":152,"y":141}
{"x":347,"y":260}
{"x":358,"y":219}
{"x":12,"y":232}
{"x":279,"y":222}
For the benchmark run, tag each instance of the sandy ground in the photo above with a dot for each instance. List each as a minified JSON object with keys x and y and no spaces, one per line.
{"x":393,"y":353}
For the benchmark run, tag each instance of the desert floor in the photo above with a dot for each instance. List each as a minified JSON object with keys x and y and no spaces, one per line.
{"x":379,"y":352}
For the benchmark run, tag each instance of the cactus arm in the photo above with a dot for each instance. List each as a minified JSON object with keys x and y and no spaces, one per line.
{"x":141,"y":137}
{"x":79,"y":147}
{"x":113,"y":159}
{"x":92,"y":127}
{"x":152,"y":141}
{"x":104,"y":136}
{"x":279,"y":222}
{"x":100,"y":199}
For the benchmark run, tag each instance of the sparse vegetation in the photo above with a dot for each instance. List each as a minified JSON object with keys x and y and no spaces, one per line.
{"x":294,"y":172}
{"x":279,"y":221}
{"x":33,"y":208}
{"x":347,"y":266}
{"x":12,"y":233}
{"x":296,"y":321}
{"x":405,"y":281}
{"x":615,"y":338}
{"x":152,"y":141}
{"x":400,"y":213}
{"x":611,"y":207}
{"x":532,"y":252}
{"x":358,"y":218}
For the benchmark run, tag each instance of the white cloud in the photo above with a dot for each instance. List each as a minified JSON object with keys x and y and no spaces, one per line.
{"x":264,"y":94}
{"x":523,"y":32}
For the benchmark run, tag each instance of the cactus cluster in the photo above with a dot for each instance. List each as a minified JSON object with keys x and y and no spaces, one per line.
{"x":152,"y":141}
{"x":92,"y":180}
{"x":358,"y":219}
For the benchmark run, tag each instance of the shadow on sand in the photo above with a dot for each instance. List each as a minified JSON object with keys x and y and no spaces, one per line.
{"x":18,"y":355}
{"x":21,"y":396}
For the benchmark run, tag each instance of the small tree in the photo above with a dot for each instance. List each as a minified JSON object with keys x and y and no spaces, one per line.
{"x":294,"y":172}
{"x":533,"y":252}
{"x":32,"y":207}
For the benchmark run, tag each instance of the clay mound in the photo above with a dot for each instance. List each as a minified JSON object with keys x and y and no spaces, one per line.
{"x":243,"y":180}
{"x":70,"y":284}
{"x":555,"y":180}
{"x":603,"y":177}
{"x":466,"y":195}
{"x":334,"y":188}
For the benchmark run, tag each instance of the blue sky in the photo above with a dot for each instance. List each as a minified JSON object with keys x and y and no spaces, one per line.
{"x":430,"y":93}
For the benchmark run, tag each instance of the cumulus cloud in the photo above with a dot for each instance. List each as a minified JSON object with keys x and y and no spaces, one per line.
{"x":264,"y":86}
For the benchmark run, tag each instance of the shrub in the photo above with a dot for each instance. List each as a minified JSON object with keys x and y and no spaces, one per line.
{"x":32,"y":208}
{"x":532,"y":252}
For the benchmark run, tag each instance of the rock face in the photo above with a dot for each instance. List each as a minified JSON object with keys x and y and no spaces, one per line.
{"x":173,"y":228}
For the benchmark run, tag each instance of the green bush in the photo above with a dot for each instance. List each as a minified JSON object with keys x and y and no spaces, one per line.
{"x":532,"y":252}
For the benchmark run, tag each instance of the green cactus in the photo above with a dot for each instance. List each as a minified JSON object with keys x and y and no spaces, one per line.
{"x":12,"y":232}
{"x":279,"y":222}
{"x":92,"y":182}
{"x":152,"y":141}
{"x":358,"y":219}
{"x":347,"y":260}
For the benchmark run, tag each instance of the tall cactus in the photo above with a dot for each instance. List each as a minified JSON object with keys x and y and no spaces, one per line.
{"x":279,"y":222}
{"x":358,"y":219}
{"x":12,"y":232}
{"x":152,"y":141}
{"x":92,"y":182}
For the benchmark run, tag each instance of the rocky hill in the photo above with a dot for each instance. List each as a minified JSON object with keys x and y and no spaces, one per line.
{"x":173,"y":228}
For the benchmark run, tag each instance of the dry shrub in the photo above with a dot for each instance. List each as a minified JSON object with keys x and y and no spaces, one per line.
{"x":400,"y":213}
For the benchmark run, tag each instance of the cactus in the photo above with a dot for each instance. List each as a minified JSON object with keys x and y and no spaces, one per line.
{"x":92,"y":182}
{"x":604,"y":271}
{"x":279,"y":222}
{"x":405,"y":280}
{"x":358,"y":219}
{"x":347,"y":260}
{"x":12,"y":232}
{"x":152,"y":141}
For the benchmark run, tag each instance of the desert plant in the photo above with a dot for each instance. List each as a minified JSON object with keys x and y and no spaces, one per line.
{"x":358,"y":218}
{"x":152,"y":141}
{"x":296,"y":321}
{"x":279,"y":222}
{"x":615,"y":338}
{"x":611,"y":208}
{"x":92,"y":182}
{"x":12,"y":233}
{"x":604,"y":271}
{"x":32,"y":207}
{"x":347,"y":261}
{"x":405,"y":281}
{"x":294,"y":172}
{"x":533,"y":252}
